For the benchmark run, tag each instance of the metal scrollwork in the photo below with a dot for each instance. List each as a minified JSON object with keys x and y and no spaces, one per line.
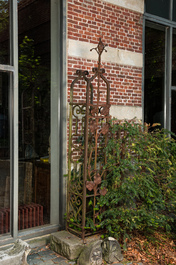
{"x":88,"y":135}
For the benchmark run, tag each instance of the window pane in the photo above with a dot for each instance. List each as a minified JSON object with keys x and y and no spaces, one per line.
{"x":158,"y":7}
{"x":174,"y":10}
{"x":4,"y":32}
{"x":154,"y":74}
{"x":174,"y":58}
{"x":173,"y":112}
{"x":34,"y":112}
{"x":4,"y":155}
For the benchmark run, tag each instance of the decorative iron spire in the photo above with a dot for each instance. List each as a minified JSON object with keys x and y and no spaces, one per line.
{"x":99,"y":49}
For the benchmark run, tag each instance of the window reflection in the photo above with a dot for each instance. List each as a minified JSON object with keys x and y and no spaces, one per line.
{"x":4,"y":155}
{"x":4,"y":32}
{"x":174,"y":10}
{"x":154,"y":74}
{"x":173,"y":112}
{"x":174,"y":59}
{"x":158,"y":7}
{"x":34,"y":112}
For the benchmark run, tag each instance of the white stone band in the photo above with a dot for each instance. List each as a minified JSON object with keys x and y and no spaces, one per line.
{"x":81,"y":49}
{"x":126,"y":112}
{"x":135,"y":5}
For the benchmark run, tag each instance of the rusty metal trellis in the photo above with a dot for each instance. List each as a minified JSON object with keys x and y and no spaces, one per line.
{"x":88,"y":135}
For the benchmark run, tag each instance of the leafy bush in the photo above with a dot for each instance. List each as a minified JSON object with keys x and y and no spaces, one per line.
{"x":141,"y":180}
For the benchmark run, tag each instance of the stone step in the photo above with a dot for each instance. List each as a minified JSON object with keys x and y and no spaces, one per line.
{"x":66,"y":244}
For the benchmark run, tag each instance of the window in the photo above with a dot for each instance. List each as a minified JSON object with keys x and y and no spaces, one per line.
{"x":34,"y":38}
{"x":160,"y":67}
{"x":31,"y":119}
{"x":4,"y":32}
{"x":173,"y":87}
{"x":159,"y":8}
{"x":174,"y":58}
{"x":154,"y":73}
{"x":174,"y":10}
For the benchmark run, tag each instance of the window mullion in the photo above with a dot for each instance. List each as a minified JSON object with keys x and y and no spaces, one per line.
{"x":168,"y":70}
{"x":14,"y":118}
{"x":171,"y":8}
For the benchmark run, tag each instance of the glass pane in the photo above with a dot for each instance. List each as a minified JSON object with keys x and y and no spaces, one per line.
{"x":34,"y":113}
{"x":174,"y":58}
{"x":174,"y":10}
{"x":154,"y":74}
{"x":4,"y":32}
{"x":173,"y":112}
{"x":158,"y":7}
{"x":4,"y":155}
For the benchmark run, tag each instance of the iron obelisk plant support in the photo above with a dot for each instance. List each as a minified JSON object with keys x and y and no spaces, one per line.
{"x":88,"y":135}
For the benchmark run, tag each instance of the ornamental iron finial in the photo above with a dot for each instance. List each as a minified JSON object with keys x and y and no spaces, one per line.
{"x":100,"y":48}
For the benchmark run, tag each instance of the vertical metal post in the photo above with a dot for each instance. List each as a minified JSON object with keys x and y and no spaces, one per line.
{"x":55,"y":110}
{"x":168,"y":76}
{"x":14,"y":118}
{"x":143,"y":68}
{"x":85,"y":160}
{"x":63,"y":112}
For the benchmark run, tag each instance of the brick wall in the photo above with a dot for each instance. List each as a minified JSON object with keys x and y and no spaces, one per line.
{"x":125,"y":82}
{"x":118,"y":27}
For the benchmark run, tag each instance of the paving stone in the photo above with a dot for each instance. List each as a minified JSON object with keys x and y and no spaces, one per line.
{"x":36,"y":262}
{"x":33,"y":256}
{"x":46,"y":252}
{"x":48,"y":262}
{"x":63,"y":263}
{"x":47,"y":257}
{"x":33,"y":251}
{"x":30,"y":262}
{"x":37,"y":249}
{"x":59,"y":259}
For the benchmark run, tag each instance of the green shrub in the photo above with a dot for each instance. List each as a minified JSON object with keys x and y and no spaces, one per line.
{"x":141,"y":180}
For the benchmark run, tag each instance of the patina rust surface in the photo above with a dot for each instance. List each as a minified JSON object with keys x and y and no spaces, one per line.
{"x":88,"y":135}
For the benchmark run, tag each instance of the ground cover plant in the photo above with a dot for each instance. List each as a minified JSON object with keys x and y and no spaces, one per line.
{"x":140,"y":181}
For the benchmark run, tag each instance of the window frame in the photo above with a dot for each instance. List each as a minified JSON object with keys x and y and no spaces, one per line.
{"x":58,"y":123}
{"x":170,"y":25}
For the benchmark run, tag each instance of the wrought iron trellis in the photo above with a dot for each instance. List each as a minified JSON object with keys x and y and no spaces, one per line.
{"x":88,"y":135}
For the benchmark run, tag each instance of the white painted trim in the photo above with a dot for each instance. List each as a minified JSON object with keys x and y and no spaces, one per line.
{"x":81,"y":49}
{"x":126,"y":112}
{"x":135,"y":5}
